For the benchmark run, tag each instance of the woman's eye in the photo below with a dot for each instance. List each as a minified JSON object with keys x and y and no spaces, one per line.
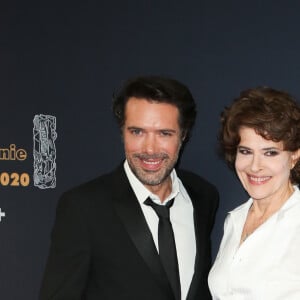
{"x":244,"y":151}
{"x":271,"y":153}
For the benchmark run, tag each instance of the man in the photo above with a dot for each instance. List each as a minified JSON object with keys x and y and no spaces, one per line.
{"x":108,"y":241}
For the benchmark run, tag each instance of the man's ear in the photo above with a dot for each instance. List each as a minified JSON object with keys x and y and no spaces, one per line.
{"x":183,"y":136}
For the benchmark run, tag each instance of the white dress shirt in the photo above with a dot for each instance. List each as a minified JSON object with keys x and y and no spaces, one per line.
{"x":182,"y":219}
{"x":266,"y":266}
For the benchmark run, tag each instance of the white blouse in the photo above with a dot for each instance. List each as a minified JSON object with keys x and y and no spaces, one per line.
{"x":266,"y":266}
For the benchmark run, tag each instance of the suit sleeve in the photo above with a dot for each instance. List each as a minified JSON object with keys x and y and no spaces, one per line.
{"x":213,"y":201}
{"x":68,"y":262}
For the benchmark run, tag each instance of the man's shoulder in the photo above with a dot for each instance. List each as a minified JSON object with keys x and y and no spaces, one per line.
{"x":191,"y":178}
{"x":97,"y":192}
{"x":201,"y":191}
{"x":103,"y":183}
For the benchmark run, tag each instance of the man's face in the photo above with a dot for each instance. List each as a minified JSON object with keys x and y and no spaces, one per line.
{"x":152,"y":140}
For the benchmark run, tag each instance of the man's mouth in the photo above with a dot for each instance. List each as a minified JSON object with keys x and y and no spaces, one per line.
{"x":151,"y":162}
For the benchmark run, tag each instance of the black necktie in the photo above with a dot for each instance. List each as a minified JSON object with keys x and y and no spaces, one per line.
{"x":166,"y":244}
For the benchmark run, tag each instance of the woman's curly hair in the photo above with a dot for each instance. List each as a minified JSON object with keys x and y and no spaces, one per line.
{"x":273,"y":114}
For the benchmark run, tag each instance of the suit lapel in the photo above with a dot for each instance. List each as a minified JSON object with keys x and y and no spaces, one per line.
{"x":199,"y":214}
{"x":131,"y":215}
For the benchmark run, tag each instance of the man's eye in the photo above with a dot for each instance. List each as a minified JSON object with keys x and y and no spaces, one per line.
{"x":165,"y":133}
{"x":136,"y":131}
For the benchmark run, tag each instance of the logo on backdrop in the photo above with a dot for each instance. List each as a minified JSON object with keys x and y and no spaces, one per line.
{"x":12,"y":153}
{"x":44,"y":151}
{"x":44,"y":156}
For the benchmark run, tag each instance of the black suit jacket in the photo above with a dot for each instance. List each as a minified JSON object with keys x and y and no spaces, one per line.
{"x":102,"y":248}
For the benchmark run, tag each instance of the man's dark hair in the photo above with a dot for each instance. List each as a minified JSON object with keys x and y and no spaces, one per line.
{"x":161,"y":90}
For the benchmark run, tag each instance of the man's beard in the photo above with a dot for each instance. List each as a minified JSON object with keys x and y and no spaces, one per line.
{"x":149,"y":177}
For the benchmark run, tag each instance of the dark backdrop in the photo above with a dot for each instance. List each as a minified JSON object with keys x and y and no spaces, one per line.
{"x":66,"y":58}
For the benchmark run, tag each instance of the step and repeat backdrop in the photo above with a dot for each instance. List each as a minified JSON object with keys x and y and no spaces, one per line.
{"x":60,"y":63}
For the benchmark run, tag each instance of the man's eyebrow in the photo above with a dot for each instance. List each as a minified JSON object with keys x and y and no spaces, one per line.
{"x":134,"y":127}
{"x":159,"y":129}
{"x":167,"y":129}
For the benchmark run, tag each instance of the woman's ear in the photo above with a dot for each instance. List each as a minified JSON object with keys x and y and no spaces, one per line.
{"x":295,"y":157}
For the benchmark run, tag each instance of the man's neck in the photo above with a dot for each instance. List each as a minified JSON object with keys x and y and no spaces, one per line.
{"x":162,"y":190}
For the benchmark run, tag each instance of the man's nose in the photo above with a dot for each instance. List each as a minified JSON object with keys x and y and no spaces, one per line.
{"x":150,"y":144}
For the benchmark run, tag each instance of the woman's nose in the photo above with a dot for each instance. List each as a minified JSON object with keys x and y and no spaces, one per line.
{"x":256,"y":163}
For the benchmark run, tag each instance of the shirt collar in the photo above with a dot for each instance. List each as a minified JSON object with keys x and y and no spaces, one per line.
{"x":242,"y":210}
{"x":142,"y":193}
{"x":294,"y":198}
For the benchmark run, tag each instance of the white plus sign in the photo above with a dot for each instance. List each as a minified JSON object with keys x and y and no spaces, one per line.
{"x":2,"y":214}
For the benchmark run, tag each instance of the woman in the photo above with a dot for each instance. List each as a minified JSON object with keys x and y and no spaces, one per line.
{"x":259,"y":256}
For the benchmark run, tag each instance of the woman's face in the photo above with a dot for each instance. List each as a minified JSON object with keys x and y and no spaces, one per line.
{"x":263,"y":167}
